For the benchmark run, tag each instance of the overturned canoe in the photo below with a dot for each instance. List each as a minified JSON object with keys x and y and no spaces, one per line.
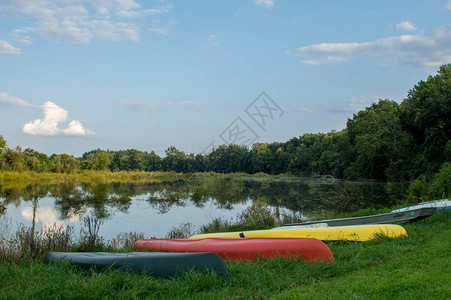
{"x":153,"y":263}
{"x":350,"y":233}
{"x":438,"y":204}
{"x":244,"y":249}
{"x":405,"y":216}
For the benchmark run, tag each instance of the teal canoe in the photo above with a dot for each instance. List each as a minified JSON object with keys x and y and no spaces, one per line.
{"x":159,"y":264}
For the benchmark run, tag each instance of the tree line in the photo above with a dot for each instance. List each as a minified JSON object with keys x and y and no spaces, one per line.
{"x":385,"y":141}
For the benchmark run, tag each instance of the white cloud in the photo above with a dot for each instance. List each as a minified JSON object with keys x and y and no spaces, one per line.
{"x":76,"y":129}
{"x":213,"y":40}
{"x":106,"y":30}
{"x":81,"y":21}
{"x":336,"y":58}
{"x":53,"y":115}
{"x":9,"y":100}
{"x":153,"y":105}
{"x":304,"y":110}
{"x":144,"y":12}
{"x":406,"y":25}
{"x":311,"y":62}
{"x":448,"y":5}
{"x":357,"y":103}
{"x":160,"y":31}
{"x":22,"y":36}
{"x":7,"y":48}
{"x":264,"y":3}
{"x":330,"y":59}
{"x":429,"y":50}
{"x":183,"y":105}
{"x":26,"y":41}
{"x":105,"y":6}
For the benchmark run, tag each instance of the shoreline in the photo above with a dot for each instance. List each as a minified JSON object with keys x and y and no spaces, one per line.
{"x":380,"y":268}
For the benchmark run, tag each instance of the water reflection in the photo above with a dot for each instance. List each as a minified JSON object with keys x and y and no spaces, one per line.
{"x":68,"y":201}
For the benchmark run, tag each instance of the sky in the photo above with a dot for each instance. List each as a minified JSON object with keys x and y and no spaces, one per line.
{"x":77,"y":75}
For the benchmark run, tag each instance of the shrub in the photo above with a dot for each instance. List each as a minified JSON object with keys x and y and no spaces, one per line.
{"x":438,"y":187}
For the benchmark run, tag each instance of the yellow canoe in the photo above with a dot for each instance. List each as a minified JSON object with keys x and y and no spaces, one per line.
{"x":351,"y":233}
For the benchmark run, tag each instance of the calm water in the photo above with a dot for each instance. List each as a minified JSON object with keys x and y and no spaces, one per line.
{"x":155,"y":208}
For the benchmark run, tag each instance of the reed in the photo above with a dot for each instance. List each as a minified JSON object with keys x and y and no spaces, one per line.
{"x":183,"y":231}
{"x":125,"y":241}
{"x":26,"y":241}
{"x":86,"y":177}
{"x":89,"y":235}
{"x":89,"y":176}
{"x":35,"y":244}
{"x":255,"y":217}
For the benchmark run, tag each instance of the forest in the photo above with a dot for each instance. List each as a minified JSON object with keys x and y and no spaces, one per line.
{"x":410,"y":141}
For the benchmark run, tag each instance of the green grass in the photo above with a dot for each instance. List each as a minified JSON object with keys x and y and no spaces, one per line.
{"x":86,"y":176}
{"x":24,"y":178}
{"x":416,"y":267}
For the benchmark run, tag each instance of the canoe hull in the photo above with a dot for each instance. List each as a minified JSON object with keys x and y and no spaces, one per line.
{"x":387,"y":218}
{"x":439,"y":204}
{"x":350,"y":233}
{"x":157,"y":264}
{"x":243,"y":249}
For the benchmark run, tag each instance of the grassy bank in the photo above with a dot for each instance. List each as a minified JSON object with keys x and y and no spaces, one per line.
{"x":83,"y":176}
{"x":413,"y":267}
{"x":27,"y":177}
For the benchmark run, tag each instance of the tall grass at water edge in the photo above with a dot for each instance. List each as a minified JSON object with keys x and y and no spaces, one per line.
{"x":89,"y":176}
{"x":86,"y":177}
{"x":35,"y":244}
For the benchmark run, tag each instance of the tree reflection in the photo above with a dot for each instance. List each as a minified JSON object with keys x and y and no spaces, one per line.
{"x":305,"y":195}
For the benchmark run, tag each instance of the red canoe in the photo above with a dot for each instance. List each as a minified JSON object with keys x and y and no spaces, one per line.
{"x":243,"y":249}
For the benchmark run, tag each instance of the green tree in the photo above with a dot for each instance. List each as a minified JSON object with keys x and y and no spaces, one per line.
{"x":56,"y":165}
{"x":229,"y":158}
{"x":13,"y":159}
{"x":70,"y":163}
{"x":153,"y":162}
{"x":441,"y":182}
{"x":2,"y":152}
{"x":98,"y":160}
{"x":200,"y":163}
{"x":64,"y":163}
{"x":175,"y":160}
{"x":300,"y":159}
{"x":439,"y":186}
{"x":305,"y":154}
{"x":262,"y":158}
{"x":35,"y":161}
{"x":281,"y":159}
{"x":120,"y":160}
{"x":380,"y":142}
{"x":138,"y":159}
{"x":426,"y":114}
{"x":335,"y":153}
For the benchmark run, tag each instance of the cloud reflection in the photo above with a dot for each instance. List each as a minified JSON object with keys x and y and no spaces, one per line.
{"x":47,"y":215}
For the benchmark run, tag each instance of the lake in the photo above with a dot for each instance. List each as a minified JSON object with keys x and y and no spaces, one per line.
{"x":154,"y":208}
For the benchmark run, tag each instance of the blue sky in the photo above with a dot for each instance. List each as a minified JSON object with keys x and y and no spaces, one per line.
{"x":120,"y":74}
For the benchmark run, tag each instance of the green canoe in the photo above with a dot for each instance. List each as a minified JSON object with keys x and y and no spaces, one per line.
{"x":159,"y":264}
{"x":406,"y":216}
